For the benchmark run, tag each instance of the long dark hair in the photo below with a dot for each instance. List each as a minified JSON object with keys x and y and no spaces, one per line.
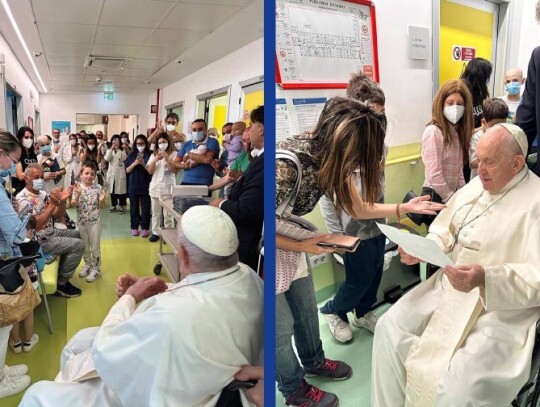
{"x":476,"y":76}
{"x":25,"y":153}
{"x":349,"y":136}
{"x":91,"y":155}
{"x":169,"y":146}
{"x":143,"y":138}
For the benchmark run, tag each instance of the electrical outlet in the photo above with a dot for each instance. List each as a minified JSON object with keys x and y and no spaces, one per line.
{"x":318,"y":260}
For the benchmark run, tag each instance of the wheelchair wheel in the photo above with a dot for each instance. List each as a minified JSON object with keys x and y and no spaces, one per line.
{"x":157,"y":269}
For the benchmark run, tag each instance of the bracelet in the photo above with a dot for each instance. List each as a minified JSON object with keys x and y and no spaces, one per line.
{"x":398,"y":214}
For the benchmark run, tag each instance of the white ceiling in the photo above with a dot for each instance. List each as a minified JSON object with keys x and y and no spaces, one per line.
{"x":153,"y":34}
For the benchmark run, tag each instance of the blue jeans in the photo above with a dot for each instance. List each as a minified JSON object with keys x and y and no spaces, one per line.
{"x":296,"y":314}
{"x":363,"y":273}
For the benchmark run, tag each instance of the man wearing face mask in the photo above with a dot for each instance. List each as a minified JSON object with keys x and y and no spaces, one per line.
{"x":52,"y":166}
{"x":64,"y":243}
{"x":513,"y":80}
{"x":171,"y":121}
{"x":199,"y":171}
{"x":57,"y":144}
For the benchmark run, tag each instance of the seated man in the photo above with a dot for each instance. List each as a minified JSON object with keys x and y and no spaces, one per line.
{"x":65,"y":243}
{"x":183,"y":345}
{"x":246,"y":202}
{"x":465,"y":336}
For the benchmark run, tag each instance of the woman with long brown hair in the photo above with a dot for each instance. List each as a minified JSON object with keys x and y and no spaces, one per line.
{"x":445,"y":142}
{"x":348,"y":138}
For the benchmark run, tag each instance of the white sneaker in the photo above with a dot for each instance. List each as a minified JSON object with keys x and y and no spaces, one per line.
{"x":15,"y":370}
{"x":16,"y":347}
{"x":11,"y":385}
{"x":84,"y":272}
{"x":368,"y":321}
{"x":338,"y":328}
{"x":28,"y":346}
{"x":93,"y":276}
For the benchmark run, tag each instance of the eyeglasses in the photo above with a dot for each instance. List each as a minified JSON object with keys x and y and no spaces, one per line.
{"x":140,"y":144}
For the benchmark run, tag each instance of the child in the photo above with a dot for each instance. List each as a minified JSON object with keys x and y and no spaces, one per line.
{"x":495,"y":112}
{"x":235,"y":145}
{"x":199,"y":150}
{"x":89,"y":199}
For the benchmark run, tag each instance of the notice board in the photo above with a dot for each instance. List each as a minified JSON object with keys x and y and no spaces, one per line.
{"x":320,"y":43}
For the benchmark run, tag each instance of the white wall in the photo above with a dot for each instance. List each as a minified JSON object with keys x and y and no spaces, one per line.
{"x":64,"y":106}
{"x":406,"y":83}
{"x":17,"y":77}
{"x":243,"y":64}
{"x":526,"y":34}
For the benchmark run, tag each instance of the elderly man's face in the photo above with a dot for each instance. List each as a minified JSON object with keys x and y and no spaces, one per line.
{"x":496,"y":165}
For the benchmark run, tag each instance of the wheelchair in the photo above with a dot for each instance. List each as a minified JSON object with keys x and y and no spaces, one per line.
{"x":529,"y":395}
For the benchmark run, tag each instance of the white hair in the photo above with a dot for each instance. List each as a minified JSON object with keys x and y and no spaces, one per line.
{"x":203,"y":261}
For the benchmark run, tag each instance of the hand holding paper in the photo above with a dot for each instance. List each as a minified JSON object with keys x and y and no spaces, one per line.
{"x":424,"y":249}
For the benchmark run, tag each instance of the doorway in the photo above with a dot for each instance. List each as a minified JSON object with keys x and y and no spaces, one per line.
{"x":109,"y":124}
{"x":14,"y":113}
{"x":212,"y":107}
{"x":467,"y":29}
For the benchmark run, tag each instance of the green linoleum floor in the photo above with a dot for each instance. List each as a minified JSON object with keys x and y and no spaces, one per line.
{"x":120,"y":253}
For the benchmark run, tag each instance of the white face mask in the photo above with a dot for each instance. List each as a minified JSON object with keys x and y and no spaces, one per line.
{"x":171,"y":127}
{"x":453,"y":113}
{"x":163,"y":146}
{"x":38,"y":184}
{"x":91,"y":147}
{"x":140,"y":148}
{"x":178,"y":146}
{"x":73,"y":142}
{"x":27,"y":142}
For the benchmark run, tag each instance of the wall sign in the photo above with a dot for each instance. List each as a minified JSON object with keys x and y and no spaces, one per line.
{"x":461,"y":53}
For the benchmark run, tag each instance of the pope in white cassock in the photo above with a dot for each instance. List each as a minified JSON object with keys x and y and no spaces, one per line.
{"x":465,"y":336}
{"x":182,"y":345}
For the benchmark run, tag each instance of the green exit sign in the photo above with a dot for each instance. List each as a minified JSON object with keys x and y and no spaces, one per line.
{"x":108,"y":95}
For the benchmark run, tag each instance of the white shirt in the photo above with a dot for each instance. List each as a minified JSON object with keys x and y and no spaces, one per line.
{"x":162,"y":176}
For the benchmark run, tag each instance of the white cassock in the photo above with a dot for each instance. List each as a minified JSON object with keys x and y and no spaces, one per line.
{"x":179,"y":348}
{"x":441,"y":347}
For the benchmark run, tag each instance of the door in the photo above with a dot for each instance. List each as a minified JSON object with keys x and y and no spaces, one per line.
{"x":468,"y":29}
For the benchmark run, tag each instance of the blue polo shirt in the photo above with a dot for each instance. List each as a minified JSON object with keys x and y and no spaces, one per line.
{"x":201,"y":174}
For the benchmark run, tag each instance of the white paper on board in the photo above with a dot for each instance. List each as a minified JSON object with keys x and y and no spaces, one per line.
{"x":424,"y":249}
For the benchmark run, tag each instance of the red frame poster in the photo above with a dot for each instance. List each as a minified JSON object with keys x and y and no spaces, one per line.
{"x":288,"y":42}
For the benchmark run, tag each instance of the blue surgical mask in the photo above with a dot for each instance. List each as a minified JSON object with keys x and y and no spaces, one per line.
{"x":38,"y":184}
{"x":197,"y":135}
{"x":45,"y":149}
{"x":9,"y":172}
{"x":513,"y":88}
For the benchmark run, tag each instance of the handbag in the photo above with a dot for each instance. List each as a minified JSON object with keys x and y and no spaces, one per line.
{"x":290,"y":226}
{"x":17,"y":295}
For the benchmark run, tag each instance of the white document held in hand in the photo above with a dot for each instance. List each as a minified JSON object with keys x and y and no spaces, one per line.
{"x":424,"y":249}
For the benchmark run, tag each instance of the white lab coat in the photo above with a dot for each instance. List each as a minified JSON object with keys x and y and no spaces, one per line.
{"x":439,"y":346}
{"x":116,"y":174}
{"x":179,"y":348}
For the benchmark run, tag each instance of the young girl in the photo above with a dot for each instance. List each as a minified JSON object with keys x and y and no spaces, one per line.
{"x":445,"y":142}
{"x":89,"y":198}
{"x":161,"y":166}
